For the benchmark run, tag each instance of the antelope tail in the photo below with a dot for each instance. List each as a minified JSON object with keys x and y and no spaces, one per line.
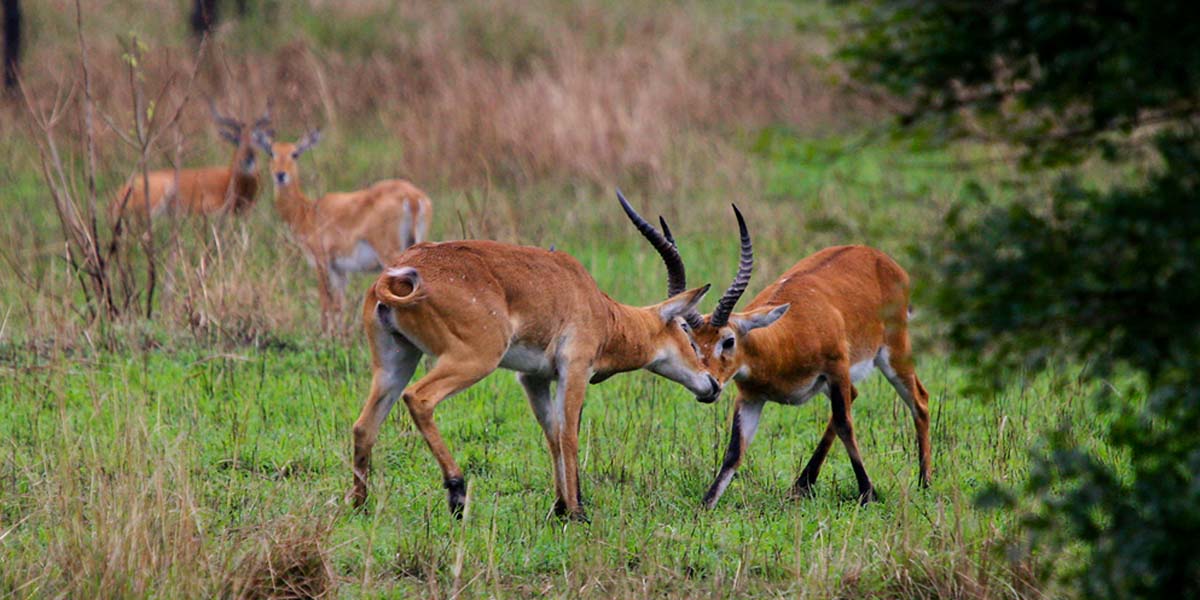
{"x":399,"y":287}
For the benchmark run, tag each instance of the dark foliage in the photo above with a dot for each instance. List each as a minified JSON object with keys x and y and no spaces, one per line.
{"x":1102,"y":275}
{"x":1054,"y":77}
{"x":1107,"y":275}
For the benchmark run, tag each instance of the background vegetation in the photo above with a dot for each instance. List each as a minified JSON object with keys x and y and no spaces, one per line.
{"x":205,"y":451}
{"x":1106,"y":271}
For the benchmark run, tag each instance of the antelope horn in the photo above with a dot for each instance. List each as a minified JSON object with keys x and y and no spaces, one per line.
{"x":264,"y":121}
{"x":221,"y":119}
{"x":665,"y":245}
{"x":693,"y":317}
{"x":720,"y":315}
{"x":667,"y":233}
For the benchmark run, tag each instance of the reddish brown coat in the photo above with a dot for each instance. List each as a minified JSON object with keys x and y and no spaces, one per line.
{"x":347,"y":232}
{"x":481,"y":305}
{"x":818,"y":328}
{"x":199,"y":191}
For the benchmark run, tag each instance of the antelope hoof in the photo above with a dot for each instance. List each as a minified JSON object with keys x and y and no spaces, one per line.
{"x":801,"y":491}
{"x":575,"y":516}
{"x":456,"y":495}
{"x":358,"y":496}
{"x":868,"y":497}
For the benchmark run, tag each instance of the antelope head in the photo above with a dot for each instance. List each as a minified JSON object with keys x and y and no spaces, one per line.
{"x":676,"y":356}
{"x":241,"y":136}
{"x":720,"y":337}
{"x":284,"y":155}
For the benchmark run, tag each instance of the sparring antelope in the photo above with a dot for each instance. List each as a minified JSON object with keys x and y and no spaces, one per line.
{"x":344,"y":232}
{"x":202,"y":191}
{"x":819,"y":328}
{"x":481,"y":305}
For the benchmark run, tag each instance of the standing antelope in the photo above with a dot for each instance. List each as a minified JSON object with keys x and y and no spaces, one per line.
{"x":848,"y":312}
{"x":480,"y":305}
{"x":347,"y":232}
{"x":203,"y":191}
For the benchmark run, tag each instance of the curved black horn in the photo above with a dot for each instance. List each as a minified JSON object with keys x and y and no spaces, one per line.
{"x":665,"y":245}
{"x":676,"y":275}
{"x":222,"y":119}
{"x":667,"y":233}
{"x":720,"y":316}
{"x":264,"y":122}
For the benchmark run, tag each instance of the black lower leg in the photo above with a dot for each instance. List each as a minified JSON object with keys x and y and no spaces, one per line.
{"x":808,"y":476}
{"x":866,"y":491}
{"x":733,"y":456}
{"x":456,"y":492}
{"x":845,"y":430}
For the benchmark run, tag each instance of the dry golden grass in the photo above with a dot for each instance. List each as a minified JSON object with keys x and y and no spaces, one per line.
{"x":473,"y":92}
{"x":498,"y":109}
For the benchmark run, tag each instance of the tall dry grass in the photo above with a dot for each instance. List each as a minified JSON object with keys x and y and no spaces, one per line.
{"x":510,"y":91}
{"x":478,"y":102}
{"x":127,"y":520}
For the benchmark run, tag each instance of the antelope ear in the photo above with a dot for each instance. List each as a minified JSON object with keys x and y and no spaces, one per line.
{"x":757,"y":319}
{"x":682,"y":303}
{"x":307,"y":142}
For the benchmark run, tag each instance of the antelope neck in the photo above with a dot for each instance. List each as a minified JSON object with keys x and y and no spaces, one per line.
{"x":293,"y":205}
{"x":629,"y":331}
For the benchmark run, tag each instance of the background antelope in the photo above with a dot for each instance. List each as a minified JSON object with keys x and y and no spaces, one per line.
{"x":481,"y":305}
{"x":205,"y":190}
{"x":819,"y":328}
{"x":344,"y":232}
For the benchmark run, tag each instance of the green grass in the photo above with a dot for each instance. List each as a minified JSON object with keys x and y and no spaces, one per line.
{"x":207,"y":451}
{"x":262,"y":434}
{"x":162,"y":465}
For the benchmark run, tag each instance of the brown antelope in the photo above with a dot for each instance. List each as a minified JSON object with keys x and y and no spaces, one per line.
{"x":344,"y":232}
{"x":481,"y":305}
{"x":203,"y":191}
{"x":819,"y":328}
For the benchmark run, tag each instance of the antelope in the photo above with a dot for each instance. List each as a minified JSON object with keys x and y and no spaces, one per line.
{"x":344,"y":232}
{"x":481,"y":305}
{"x":819,"y":328}
{"x":203,"y":191}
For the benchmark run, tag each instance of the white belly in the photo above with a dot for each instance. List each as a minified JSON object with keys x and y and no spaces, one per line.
{"x":818,"y":385}
{"x":527,"y":359}
{"x":805,"y":392}
{"x":859,"y":371}
{"x":362,"y":258}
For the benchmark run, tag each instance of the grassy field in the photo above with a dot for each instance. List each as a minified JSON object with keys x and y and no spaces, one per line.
{"x":177,"y":470}
{"x":206,"y":452}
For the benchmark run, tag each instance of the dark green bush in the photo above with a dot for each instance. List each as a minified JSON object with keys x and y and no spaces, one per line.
{"x":1110,"y":275}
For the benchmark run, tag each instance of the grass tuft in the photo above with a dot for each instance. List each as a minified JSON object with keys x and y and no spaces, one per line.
{"x":289,"y":559}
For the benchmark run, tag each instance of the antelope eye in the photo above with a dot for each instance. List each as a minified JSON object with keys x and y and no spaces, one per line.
{"x":727,"y":344}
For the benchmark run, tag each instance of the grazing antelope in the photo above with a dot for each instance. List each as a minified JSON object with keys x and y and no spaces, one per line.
{"x":344,"y":232}
{"x":203,"y":191}
{"x":817,"y":329}
{"x":481,"y":305}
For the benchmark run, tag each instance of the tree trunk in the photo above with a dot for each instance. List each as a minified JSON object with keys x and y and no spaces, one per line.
{"x":12,"y":42}
{"x":204,"y":17}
